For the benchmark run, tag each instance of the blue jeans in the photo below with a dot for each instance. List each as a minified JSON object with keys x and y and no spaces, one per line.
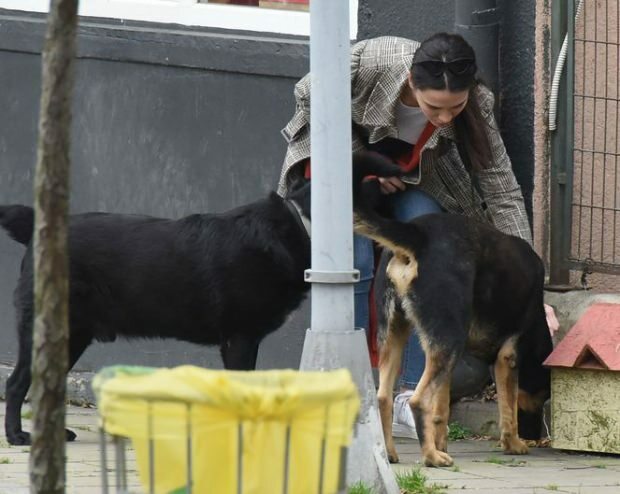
{"x":406,"y":205}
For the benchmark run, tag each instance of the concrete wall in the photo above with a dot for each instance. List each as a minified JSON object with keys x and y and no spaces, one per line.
{"x":165,"y":124}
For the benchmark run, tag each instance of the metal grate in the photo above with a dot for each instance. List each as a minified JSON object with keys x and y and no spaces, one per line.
{"x":595,"y":205}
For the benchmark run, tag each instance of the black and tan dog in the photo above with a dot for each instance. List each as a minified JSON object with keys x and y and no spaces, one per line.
{"x":465,"y":287}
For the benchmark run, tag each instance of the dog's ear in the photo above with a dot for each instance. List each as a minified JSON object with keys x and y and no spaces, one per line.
{"x":297,"y":183}
{"x":299,"y":192}
{"x":372,"y":163}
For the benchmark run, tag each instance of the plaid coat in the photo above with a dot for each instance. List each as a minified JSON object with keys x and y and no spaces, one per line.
{"x":379,"y":69}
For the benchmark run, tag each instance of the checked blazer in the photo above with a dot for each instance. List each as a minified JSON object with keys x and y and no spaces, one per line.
{"x":379,"y":69}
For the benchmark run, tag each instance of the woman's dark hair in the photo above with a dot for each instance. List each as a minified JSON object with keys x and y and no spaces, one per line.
{"x":447,"y":61}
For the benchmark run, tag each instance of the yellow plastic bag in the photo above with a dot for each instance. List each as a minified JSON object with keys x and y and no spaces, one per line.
{"x":238,"y":423}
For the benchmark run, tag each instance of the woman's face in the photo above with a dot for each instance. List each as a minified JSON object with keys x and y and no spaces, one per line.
{"x":440,"y":106}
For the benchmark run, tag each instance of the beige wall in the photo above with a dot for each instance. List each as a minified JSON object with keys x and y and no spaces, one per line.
{"x":596,"y":178}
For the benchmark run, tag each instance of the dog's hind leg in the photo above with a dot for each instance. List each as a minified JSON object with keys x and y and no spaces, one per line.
{"x":506,"y":380}
{"x":430,"y":406}
{"x":390,"y":356}
{"x":78,"y":342}
{"x":18,"y":383}
{"x":16,"y":388}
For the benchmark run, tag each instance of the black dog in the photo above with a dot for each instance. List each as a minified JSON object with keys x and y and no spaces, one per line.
{"x":464,"y":286}
{"x":227,"y":279}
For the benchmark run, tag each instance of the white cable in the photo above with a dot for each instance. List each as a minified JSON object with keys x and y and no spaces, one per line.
{"x":557,"y":76}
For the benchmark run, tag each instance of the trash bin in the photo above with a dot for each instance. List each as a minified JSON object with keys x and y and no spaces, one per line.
{"x":206,"y":431}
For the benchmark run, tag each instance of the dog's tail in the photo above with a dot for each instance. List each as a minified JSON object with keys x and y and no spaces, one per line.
{"x":18,"y":221}
{"x":404,"y":239}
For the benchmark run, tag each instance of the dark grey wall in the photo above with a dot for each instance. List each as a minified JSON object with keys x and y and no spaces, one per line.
{"x":418,"y":19}
{"x":166,"y":122}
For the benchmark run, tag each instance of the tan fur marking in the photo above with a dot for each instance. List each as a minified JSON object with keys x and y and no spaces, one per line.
{"x":402,"y":270}
{"x":361,"y":227}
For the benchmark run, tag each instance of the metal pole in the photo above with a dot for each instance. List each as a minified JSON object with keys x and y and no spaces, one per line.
{"x":332,"y":342}
{"x":559,"y":275}
{"x":478,"y":22}
{"x":332,"y":274}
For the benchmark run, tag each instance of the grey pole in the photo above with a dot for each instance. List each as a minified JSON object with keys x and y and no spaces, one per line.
{"x":332,"y":342}
{"x":332,"y":274}
{"x":478,"y":22}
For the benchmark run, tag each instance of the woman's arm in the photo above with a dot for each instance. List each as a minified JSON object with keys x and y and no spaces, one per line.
{"x":498,"y":183}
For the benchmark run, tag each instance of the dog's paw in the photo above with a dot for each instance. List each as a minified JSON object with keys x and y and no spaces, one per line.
{"x":21,"y":438}
{"x":393,"y":458}
{"x":70,"y":435}
{"x":438,"y":459}
{"x":515,"y":447}
{"x":392,"y":455}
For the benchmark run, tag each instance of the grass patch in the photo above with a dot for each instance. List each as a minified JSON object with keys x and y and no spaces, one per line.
{"x":5,"y":461}
{"x":360,"y":488}
{"x":507,"y":462}
{"x":455,"y":468}
{"x":456,"y":431}
{"x":551,"y":487}
{"x":599,"y":465}
{"x":27,"y":414}
{"x":415,"y":482}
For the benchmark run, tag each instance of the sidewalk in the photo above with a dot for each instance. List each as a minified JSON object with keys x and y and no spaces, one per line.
{"x":479,"y":466}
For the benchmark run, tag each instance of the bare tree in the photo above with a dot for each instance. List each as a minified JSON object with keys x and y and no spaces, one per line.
{"x":51,"y":285}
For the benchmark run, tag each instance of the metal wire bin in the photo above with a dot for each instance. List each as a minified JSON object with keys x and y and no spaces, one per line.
{"x":201,"y":431}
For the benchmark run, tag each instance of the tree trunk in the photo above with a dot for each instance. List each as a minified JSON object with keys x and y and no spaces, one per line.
{"x":51,"y":286}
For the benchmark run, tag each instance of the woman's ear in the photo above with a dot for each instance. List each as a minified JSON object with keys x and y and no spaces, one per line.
{"x":409,"y":91}
{"x":410,"y":79}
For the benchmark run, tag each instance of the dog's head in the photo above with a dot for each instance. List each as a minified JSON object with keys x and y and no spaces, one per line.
{"x":365,"y":164}
{"x":534,"y":381}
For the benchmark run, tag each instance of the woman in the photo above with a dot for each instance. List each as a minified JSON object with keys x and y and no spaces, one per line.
{"x":423,"y":106}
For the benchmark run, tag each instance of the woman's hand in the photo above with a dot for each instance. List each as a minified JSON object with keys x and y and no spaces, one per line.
{"x":389,"y":185}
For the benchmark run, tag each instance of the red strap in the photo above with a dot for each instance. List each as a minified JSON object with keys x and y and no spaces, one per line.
{"x":410,"y":162}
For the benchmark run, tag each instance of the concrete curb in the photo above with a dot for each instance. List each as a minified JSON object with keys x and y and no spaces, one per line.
{"x":79,"y":391}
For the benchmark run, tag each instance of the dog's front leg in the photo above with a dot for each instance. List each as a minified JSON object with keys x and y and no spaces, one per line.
{"x":441,"y":413}
{"x":506,"y":380}
{"x":239,"y":352}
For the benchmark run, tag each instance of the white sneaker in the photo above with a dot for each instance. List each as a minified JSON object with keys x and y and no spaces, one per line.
{"x":403,"y":424}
